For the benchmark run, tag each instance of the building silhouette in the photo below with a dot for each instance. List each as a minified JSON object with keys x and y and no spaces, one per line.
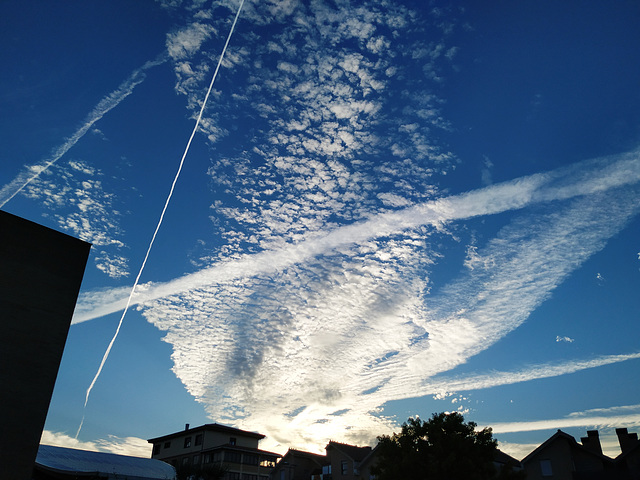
{"x":213,"y":444}
{"x":40,"y":275}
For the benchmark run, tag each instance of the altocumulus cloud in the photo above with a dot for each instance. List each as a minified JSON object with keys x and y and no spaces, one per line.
{"x":314,"y":338}
{"x":318,"y":307}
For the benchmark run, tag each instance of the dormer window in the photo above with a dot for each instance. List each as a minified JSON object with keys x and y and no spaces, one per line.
{"x":232,"y":441}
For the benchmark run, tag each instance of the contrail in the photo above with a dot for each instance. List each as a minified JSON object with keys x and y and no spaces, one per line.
{"x":584,"y":178}
{"x":109,"y":102}
{"x":166,"y":204}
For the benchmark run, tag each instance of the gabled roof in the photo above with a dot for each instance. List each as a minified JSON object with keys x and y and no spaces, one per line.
{"x":212,"y":427}
{"x":81,"y":463}
{"x":354,"y":452}
{"x":505,"y":459}
{"x":630,"y":451}
{"x":560,"y":435}
{"x":316,"y":457}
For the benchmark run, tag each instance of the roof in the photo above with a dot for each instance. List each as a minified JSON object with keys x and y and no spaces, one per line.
{"x":109,"y":465}
{"x":572,"y":442}
{"x":212,"y":427}
{"x":354,"y":452}
{"x":505,"y":459}
{"x":316,"y":457}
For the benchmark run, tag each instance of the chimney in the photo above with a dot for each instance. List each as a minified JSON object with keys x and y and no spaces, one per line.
{"x":626,"y":440}
{"x":592,"y":442}
{"x":186,"y":427}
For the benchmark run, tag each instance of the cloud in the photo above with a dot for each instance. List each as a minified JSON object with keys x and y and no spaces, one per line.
{"x":74,"y":196}
{"x":102,"y":108}
{"x":605,"y":420}
{"x":564,"y":339}
{"x":532,"y":372}
{"x":115,"y":266}
{"x":610,"y":421}
{"x":132,"y":446}
{"x":498,"y":198}
{"x":315,"y":336}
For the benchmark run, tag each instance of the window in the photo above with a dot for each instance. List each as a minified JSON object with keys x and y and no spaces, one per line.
{"x":207,"y":458}
{"x":248,"y":476}
{"x":187,"y":442}
{"x":545,"y":468}
{"x":156,"y":448}
{"x":344,"y":467}
{"x":199,"y":439}
{"x":232,"y":441}
{"x":196,"y":459}
{"x":185,"y":461}
{"x":269,"y":462}
{"x":167,"y":444}
{"x":326,"y":470}
{"x":232,"y":457}
{"x":250,"y":459}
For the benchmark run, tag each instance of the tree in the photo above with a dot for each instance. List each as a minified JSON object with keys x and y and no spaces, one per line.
{"x":441,"y":448}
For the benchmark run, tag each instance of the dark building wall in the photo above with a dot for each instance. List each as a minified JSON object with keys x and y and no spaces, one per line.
{"x":40,"y":275}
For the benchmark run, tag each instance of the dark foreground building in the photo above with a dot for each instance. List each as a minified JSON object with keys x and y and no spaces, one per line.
{"x":40,"y":275}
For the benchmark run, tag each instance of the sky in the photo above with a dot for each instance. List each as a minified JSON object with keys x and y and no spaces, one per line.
{"x":389,"y":209}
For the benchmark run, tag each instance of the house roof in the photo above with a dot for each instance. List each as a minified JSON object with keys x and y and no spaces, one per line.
{"x":630,"y":451}
{"x":505,"y":459}
{"x":83,"y":462}
{"x":354,"y":452}
{"x":311,"y":456}
{"x":560,"y":435}
{"x":212,"y":427}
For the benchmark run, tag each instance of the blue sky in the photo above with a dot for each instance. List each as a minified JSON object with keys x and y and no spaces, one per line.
{"x":390,"y":209}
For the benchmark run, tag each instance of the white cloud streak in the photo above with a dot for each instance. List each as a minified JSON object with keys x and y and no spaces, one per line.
{"x":105,"y":105}
{"x":532,"y":372}
{"x":499,"y":198}
{"x":316,"y":337}
{"x":132,"y":446}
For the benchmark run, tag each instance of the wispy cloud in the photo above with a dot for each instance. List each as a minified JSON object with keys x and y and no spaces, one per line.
{"x":330,"y":328}
{"x":605,"y":420}
{"x":531,"y":372}
{"x":564,"y":339}
{"x":132,"y":446}
{"x":499,"y":198}
{"x":109,"y":102}
{"x":610,"y":421}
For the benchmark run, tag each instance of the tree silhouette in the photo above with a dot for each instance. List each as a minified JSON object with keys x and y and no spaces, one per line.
{"x":441,"y":448}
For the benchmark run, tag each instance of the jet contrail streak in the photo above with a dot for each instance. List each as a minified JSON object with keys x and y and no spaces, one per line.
{"x":155,"y":233}
{"x":559,"y":184}
{"x":109,"y":102}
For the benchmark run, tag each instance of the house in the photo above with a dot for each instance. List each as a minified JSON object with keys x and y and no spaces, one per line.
{"x":213,"y":444}
{"x":58,"y":463}
{"x":298,"y":465}
{"x":629,"y":460}
{"x":367,"y":463}
{"x":343,"y":461}
{"x":561,"y":457}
